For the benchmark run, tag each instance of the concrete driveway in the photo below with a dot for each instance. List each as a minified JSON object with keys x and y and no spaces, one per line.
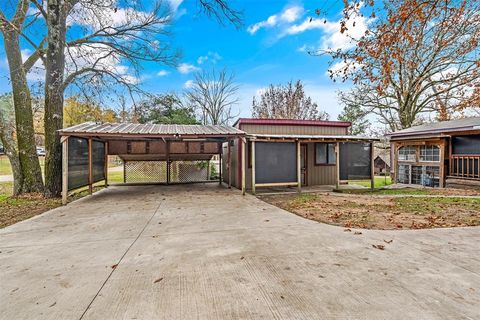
{"x":205,"y":252}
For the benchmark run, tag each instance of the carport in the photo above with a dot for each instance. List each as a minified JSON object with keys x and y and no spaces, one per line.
{"x":151,"y":153}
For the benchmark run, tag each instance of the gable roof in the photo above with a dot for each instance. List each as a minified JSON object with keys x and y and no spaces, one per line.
{"x":292,"y":122}
{"x":465,"y":124}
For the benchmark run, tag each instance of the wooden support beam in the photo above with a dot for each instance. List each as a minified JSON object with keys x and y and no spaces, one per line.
{"x":106,"y":164}
{"x":337,"y":165}
{"x":244,"y":160}
{"x":252,"y":156}
{"x":299,"y":167}
{"x":220,"y":168}
{"x":229,"y":160}
{"x":372,"y":166}
{"x":90,"y":166}
{"x":168,"y":162}
{"x":124,"y":172}
{"x":277,"y":184}
{"x":65,"y":171}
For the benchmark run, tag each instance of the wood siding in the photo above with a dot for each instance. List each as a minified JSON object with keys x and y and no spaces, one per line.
{"x":319,"y":175}
{"x":283,"y":129}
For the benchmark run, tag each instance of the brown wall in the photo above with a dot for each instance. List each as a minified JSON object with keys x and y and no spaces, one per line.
{"x":284,"y":129}
{"x":316,"y":175}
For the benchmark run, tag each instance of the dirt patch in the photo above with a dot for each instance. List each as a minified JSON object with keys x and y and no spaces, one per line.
{"x":414,"y":191}
{"x":370,"y":212}
{"x":15,"y":209}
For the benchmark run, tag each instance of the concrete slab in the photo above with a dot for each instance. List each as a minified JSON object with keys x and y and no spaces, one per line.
{"x":205,"y":252}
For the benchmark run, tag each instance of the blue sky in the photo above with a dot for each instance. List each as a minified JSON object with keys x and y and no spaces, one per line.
{"x":268,"y":49}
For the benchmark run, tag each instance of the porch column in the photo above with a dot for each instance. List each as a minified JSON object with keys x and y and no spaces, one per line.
{"x":90,"y":166}
{"x":220,"y":168}
{"x":372,"y":167}
{"x":253,"y":166}
{"x":106,"y":164}
{"x":243,"y":159}
{"x":299,"y":168}
{"x":64,"y":141}
{"x":168,"y":162}
{"x":229,"y":160}
{"x":337,"y":165}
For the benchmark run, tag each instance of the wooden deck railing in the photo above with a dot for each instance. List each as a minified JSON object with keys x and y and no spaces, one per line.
{"x":466,"y":166}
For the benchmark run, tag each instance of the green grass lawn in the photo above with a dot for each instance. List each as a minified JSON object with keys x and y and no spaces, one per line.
{"x":389,"y":192}
{"x":379,"y":182}
{"x":6,"y":169}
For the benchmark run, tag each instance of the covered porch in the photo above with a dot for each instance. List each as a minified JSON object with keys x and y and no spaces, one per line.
{"x":150,"y":153}
{"x":299,"y":161}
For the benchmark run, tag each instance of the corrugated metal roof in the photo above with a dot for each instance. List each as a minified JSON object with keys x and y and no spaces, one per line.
{"x":93,"y":128}
{"x":465,"y":124}
{"x":312,"y":137}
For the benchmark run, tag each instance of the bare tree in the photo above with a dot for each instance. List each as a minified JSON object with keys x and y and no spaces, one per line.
{"x":29,"y":176}
{"x":287,"y":102}
{"x":416,"y":60}
{"x":213,"y":95}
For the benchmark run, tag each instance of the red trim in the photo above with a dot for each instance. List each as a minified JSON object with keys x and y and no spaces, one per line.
{"x":292,"y":122}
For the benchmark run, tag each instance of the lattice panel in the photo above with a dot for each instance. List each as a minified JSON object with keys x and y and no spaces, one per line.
{"x":180,"y":171}
{"x":189,"y":171}
{"x":146,"y":171}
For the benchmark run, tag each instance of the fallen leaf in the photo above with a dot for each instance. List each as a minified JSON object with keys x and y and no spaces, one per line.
{"x":158,"y":280}
{"x":389,"y":241}
{"x":378,"y":246}
{"x":114,"y":266}
{"x":347,"y":230}
{"x":242,"y":257}
{"x":53,"y":304}
{"x":357,"y":232}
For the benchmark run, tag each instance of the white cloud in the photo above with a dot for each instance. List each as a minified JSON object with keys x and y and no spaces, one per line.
{"x":211,"y":56}
{"x":291,"y":14}
{"x":288,"y":15}
{"x":188,"y":84}
{"x":37,"y":72}
{"x":332,"y":37}
{"x":174,"y":4}
{"x":187,"y":68}
{"x":162,"y":73}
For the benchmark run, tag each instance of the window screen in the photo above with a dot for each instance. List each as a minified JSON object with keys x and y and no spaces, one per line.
{"x":78,"y":162}
{"x":275,"y":162}
{"x":429,"y":153}
{"x":325,"y":153}
{"x":404,"y":173}
{"x":407,"y":153}
{"x":466,"y":144}
{"x":355,"y":161}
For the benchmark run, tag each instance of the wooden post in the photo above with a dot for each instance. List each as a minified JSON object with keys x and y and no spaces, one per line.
{"x":124,"y":172}
{"x":208,"y":170}
{"x":229,"y":160}
{"x":244,"y":160}
{"x":64,"y":170}
{"x":220,"y":168}
{"x":90,"y":166}
{"x":106,"y":164}
{"x":299,"y":167}
{"x":168,"y":162}
{"x":372,"y":166}
{"x":252,"y":156}
{"x":337,"y":165}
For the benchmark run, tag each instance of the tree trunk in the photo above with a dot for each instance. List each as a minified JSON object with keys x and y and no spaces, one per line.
{"x":55,"y":66}
{"x":27,"y":153}
{"x":8,"y":142}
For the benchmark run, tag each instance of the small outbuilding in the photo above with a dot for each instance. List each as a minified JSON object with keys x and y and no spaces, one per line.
{"x":441,"y":154}
{"x":251,"y":154}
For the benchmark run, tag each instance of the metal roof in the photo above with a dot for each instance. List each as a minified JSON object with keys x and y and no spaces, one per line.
{"x":125,"y":129}
{"x":292,"y":122}
{"x":312,"y":137}
{"x":465,"y":124}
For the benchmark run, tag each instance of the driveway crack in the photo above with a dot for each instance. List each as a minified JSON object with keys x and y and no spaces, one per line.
{"x":119,"y":261}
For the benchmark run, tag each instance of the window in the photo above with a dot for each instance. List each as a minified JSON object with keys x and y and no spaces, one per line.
{"x":325,"y":153}
{"x":404,"y":173}
{"x":407,"y":153}
{"x":429,"y":153}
